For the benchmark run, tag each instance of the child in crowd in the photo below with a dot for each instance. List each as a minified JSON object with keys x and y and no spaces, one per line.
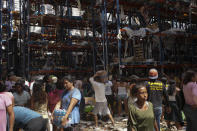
{"x":109,"y":93}
{"x":122,"y":96}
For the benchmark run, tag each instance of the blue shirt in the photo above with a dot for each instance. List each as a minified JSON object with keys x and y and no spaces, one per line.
{"x":66,"y":98}
{"x":24,"y":115}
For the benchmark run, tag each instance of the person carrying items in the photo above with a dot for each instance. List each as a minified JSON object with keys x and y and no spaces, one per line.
{"x":67,"y":117}
{"x":156,"y":91}
{"x":98,"y":82}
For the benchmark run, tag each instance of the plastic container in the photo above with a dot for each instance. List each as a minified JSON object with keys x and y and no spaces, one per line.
{"x":58,"y":115}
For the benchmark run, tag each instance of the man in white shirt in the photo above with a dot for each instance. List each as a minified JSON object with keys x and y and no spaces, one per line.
{"x":101,"y":107}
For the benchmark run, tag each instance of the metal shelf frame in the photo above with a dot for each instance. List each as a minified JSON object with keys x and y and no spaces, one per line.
{"x":108,"y":30}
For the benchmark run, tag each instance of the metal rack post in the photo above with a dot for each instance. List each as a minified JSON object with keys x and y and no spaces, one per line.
{"x":93,"y":39}
{"x":1,"y":7}
{"x":10,"y":9}
{"x":119,"y":41}
{"x":161,"y":48}
{"x":69,"y":15}
{"x":28,"y":38}
{"x":104,"y":20}
{"x":106,"y":37}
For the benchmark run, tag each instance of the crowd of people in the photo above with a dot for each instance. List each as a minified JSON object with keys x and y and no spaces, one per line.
{"x":50,"y":104}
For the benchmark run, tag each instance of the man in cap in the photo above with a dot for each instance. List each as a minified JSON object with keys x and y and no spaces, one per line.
{"x":156,"y":91}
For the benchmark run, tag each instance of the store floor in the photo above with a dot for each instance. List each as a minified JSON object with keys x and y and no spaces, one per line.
{"x":120,"y":125}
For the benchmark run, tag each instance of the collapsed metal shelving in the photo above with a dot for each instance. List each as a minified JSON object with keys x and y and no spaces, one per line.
{"x":104,"y":20}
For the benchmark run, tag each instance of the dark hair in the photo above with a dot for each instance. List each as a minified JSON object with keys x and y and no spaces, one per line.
{"x":10,"y":74}
{"x":133,"y":81}
{"x":137,"y":87}
{"x":68,"y":78}
{"x":59,"y":84}
{"x":20,"y":83}
{"x":172,"y":87}
{"x":187,"y":76}
{"x":164,"y":80}
{"x":2,"y":87}
{"x":39,"y":95}
{"x":45,"y":78}
{"x":98,"y":79}
{"x":101,"y":75}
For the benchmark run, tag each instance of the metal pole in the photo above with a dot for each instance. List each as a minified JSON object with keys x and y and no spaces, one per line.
{"x":1,"y":7}
{"x":106,"y":36}
{"x":119,"y":41}
{"x":9,"y":18}
{"x":27,"y":43}
{"x":69,"y":14}
{"x":161,"y":43}
{"x":190,"y":17}
{"x":20,"y":40}
{"x":24,"y":36}
{"x":93,"y":41}
{"x":61,"y":16}
{"x":103,"y":33}
{"x":129,"y":18}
